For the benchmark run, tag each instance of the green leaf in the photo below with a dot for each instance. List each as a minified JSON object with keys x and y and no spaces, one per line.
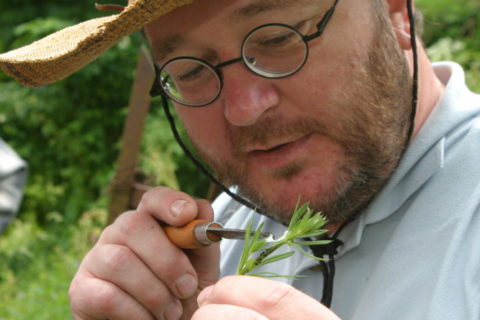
{"x":313,"y":242}
{"x":257,"y":252}
{"x":275,"y":259}
{"x":308,"y":254}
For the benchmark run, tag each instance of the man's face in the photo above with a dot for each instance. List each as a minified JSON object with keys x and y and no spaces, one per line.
{"x":330,"y":134}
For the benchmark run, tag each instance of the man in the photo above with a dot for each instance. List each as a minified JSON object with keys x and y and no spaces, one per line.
{"x":327,"y":123}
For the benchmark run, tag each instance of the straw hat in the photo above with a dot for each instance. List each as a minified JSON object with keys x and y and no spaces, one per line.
{"x":66,"y":51}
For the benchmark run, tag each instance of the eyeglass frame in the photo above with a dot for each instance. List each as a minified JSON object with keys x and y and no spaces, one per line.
{"x":157,"y":89}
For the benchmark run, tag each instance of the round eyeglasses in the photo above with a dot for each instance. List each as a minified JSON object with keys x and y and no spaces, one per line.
{"x":272,"y":51}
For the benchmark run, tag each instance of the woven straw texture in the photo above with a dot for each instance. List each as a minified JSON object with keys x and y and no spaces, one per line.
{"x":66,"y":51}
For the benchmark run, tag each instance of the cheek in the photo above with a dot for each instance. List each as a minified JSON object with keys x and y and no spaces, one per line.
{"x":342,"y":51}
{"x":329,"y":77}
{"x":315,"y":90}
{"x":205,"y":126}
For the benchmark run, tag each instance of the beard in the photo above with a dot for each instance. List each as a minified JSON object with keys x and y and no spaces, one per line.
{"x":371,"y":130}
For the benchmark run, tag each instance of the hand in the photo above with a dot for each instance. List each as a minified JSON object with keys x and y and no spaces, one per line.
{"x":135,"y":272}
{"x":251,"y":298}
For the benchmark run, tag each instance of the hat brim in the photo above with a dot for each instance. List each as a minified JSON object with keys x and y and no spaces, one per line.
{"x":62,"y":53}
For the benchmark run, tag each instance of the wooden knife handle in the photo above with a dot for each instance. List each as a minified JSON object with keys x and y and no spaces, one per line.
{"x":193,"y":235}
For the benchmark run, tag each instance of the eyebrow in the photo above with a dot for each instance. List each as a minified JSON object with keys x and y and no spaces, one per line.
{"x":168,"y":46}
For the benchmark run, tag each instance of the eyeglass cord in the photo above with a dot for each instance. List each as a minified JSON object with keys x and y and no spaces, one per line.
{"x":328,"y":253}
{"x":330,"y":250}
{"x":413,"y":41}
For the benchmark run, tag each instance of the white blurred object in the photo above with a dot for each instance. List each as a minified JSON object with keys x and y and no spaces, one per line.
{"x":13,"y":176}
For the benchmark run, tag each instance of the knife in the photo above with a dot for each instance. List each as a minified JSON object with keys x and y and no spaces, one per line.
{"x":200,"y":233}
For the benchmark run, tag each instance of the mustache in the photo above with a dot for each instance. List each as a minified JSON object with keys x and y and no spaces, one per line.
{"x":273,"y":129}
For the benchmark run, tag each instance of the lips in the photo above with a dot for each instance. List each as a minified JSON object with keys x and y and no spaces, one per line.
{"x":279,"y":154}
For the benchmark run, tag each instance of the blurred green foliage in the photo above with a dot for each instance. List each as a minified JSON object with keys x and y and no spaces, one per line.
{"x":69,"y":134}
{"x":452,"y":32}
{"x":69,"y":131}
{"x":37,"y":265}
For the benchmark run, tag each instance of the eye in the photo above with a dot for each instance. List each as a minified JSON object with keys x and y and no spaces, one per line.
{"x":278,"y":39}
{"x":278,"y":36}
{"x":193,"y":73}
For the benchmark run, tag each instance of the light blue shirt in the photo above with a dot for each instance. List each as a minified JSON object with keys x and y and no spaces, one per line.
{"x":414,"y":253}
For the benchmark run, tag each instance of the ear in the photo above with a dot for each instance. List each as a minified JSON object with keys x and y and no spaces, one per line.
{"x":401,"y":23}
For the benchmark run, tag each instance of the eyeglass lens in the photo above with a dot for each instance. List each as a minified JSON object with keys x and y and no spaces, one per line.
{"x":274,"y":51}
{"x":190,"y":81}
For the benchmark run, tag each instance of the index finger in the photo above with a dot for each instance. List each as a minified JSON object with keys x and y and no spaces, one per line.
{"x":170,"y":206}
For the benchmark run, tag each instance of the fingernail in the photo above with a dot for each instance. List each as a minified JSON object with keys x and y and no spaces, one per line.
{"x":203,"y":296}
{"x":177,"y":207}
{"x":173,"y":311}
{"x":186,"y":285}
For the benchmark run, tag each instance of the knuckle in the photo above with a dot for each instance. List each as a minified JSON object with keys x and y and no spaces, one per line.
{"x":150,"y":198}
{"x":276,"y":296}
{"x":172,"y":265}
{"x":107,"y":233}
{"x":157,"y":299}
{"x":79,"y":288}
{"x":152,"y":298}
{"x":83,"y":292}
{"x":130,"y":224}
{"x":159,"y":198}
{"x":105,"y":298}
{"x":146,"y":201}
{"x":74,"y":293}
{"x":117,"y":258}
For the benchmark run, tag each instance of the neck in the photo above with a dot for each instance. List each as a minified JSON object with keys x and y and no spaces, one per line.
{"x":430,"y":89}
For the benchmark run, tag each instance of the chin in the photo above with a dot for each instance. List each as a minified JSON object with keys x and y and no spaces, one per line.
{"x":278,"y":198}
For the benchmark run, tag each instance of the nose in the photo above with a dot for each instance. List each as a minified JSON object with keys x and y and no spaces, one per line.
{"x":246,"y":96}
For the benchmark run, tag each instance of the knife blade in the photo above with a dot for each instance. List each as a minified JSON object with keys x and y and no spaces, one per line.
{"x":236,"y":234}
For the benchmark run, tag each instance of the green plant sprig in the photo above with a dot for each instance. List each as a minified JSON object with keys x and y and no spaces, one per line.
{"x":257,"y":251}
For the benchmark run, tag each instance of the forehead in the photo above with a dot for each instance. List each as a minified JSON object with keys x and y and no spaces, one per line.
{"x":255,"y":7}
{"x":186,"y":23}
{"x":236,"y":9}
